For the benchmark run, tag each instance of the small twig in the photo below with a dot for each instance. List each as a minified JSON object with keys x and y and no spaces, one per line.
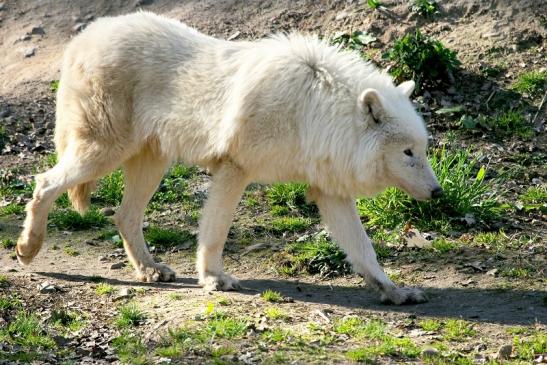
{"x":490,"y":98}
{"x":538,"y":126}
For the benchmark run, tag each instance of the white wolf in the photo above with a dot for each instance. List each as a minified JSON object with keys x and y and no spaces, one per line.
{"x":141,"y":91}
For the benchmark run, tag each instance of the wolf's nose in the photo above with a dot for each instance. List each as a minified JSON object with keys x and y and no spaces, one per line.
{"x":437,"y":192}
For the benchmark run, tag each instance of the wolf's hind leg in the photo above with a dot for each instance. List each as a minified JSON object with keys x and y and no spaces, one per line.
{"x":78,"y":165}
{"x":341,"y":217}
{"x":142,"y":175}
{"x":228,"y":184}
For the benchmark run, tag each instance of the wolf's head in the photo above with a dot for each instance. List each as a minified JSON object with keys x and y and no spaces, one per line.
{"x":401,"y":141}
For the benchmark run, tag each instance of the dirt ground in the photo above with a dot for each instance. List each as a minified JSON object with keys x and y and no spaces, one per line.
{"x":464,"y":284}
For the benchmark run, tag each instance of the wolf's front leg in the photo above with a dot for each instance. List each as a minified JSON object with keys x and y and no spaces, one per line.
{"x":227,"y":186}
{"x":340,"y":216}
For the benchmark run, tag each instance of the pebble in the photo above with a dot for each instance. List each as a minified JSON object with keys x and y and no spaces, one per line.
{"x":124,"y":293}
{"x":504,"y":352}
{"x":78,"y":27}
{"x":107,"y":212}
{"x":430,"y":352}
{"x":46,"y":288}
{"x":117,"y":266}
{"x":38,"y":31}
{"x":29,"y":52}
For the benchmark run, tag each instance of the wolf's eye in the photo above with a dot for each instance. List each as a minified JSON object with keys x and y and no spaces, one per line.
{"x":408,"y":152}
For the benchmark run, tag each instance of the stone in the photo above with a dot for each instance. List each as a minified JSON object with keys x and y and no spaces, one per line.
{"x":107,"y":212}
{"x":78,"y":27}
{"x":46,"y":288}
{"x":504,"y":352}
{"x":29,"y":52}
{"x":124,"y":293}
{"x":430,"y":352}
{"x":117,"y":266}
{"x":37,"y":31}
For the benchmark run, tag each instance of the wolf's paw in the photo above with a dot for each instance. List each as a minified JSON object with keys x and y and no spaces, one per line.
{"x":28,"y":247}
{"x":213,"y":282}
{"x":403,"y":295}
{"x":156,"y":272}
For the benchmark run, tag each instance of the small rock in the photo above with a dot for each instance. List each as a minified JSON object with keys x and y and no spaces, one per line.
{"x":430,"y":352}
{"x":256,"y":247}
{"x":29,"y":52}
{"x":234,"y":36}
{"x":4,"y":113}
{"x":103,"y":258}
{"x":37,"y":31}
{"x":124,"y":293}
{"x":117,"y":266}
{"x":78,"y":27}
{"x":107,"y":212}
{"x":504,"y":352}
{"x":46,"y":288}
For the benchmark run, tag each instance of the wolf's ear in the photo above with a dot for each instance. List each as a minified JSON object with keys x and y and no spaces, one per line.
{"x":407,"y":87}
{"x":371,"y":104}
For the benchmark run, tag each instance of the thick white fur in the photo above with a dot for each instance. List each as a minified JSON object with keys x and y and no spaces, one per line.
{"x":142,"y":91}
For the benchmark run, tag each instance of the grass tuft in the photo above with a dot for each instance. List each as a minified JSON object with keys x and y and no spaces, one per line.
{"x":319,"y":256}
{"x":166,"y":238}
{"x":466,"y":192}
{"x":69,"y":219}
{"x":422,"y":59}
{"x":531,"y":82}
{"x":104,"y":289}
{"x":129,"y":316}
{"x":272,"y":296}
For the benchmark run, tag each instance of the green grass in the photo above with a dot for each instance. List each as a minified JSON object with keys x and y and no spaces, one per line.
{"x":222,"y":326}
{"x":9,"y":303}
{"x":275,"y":313}
{"x":130,"y":349}
{"x":290,"y":224}
{"x":65,"y":319}
{"x":8,"y":244}
{"x":531,"y":82}
{"x":458,"y":330}
{"x":110,"y":188}
{"x":166,"y":238}
{"x":515,"y":272}
{"x":67,"y":219}
{"x":3,"y":280}
{"x":501,"y":125}
{"x":354,"y":41}
{"x":388,"y":346}
{"x":315,"y":257}
{"x":358,"y":328}
{"x":422,"y":59}
{"x":430,"y":325}
{"x":54,"y":86}
{"x":272,"y":296}
{"x":104,"y":289}
{"x":174,"y":185}
{"x":465,"y":192}
{"x":175,"y":296}
{"x":70,"y":251}
{"x":129,"y":316}
{"x":374,"y":4}
{"x":291,"y":196}
{"x":277,"y":335}
{"x":12,"y":209}
{"x":530,"y":348}
{"x":443,"y":245}
{"x":26,"y":331}
{"x":535,"y":199}
{"x":426,"y":8}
